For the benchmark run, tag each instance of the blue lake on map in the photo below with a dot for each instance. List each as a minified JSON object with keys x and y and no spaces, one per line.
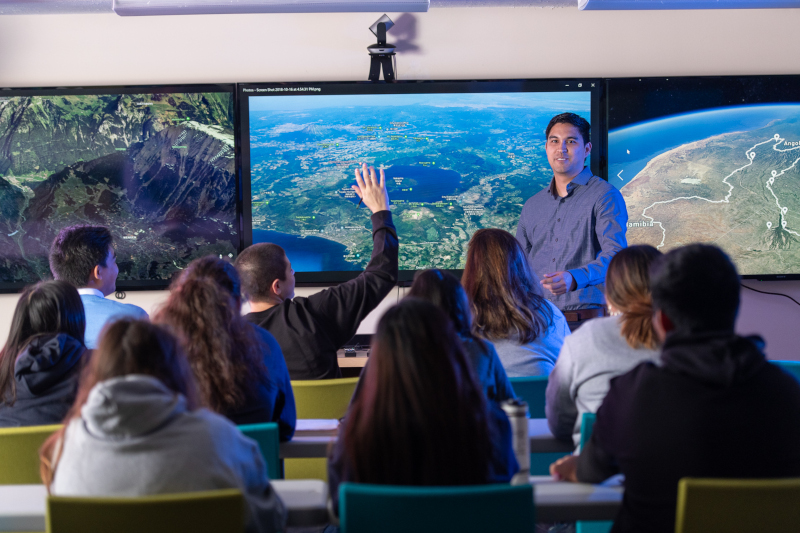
{"x":431,"y":183}
{"x":308,"y":254}
{"x":648,"y":139}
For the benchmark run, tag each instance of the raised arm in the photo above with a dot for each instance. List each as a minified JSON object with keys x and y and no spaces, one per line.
{"x":341,"y":309}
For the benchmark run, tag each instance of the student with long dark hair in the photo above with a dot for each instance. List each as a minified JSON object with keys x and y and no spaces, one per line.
{"x":444,"y":291}
{"x":43,"y":356}
{"x":421,"y":417}
{"x":526,"y":329}
{"x":239,"y":366}
{"x":135,"y":429}
{"x":604,"y":348}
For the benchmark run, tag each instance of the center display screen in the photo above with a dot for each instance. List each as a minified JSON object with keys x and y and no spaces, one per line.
{"x":458,"y":156}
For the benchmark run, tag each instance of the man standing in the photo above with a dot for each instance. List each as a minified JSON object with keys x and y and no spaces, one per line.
{"x":84,"y":256}
{"x":311,"y":330}
{"x":713,"y":406}
{"x":572,"y":229}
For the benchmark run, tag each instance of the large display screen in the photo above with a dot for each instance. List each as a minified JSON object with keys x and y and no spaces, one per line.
{"x":155,"y":164}
{"x":713,"y":159}
{"x":458,"y":156}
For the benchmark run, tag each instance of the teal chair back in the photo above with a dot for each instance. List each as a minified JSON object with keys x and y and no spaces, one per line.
{"x":583,"y":526}
{"x":792,"y":367}
{"x":587,"y":425}
{"x":365,"y":508}
{"x":266,"y":435}
{"x":531,"y":389}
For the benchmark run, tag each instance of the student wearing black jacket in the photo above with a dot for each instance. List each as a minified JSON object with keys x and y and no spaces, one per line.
{"x":311,"y":330}
{"x":43,"y":356}
{"x":712,"y":407}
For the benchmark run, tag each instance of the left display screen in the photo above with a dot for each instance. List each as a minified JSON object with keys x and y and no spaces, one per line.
{"x":154,"y":164}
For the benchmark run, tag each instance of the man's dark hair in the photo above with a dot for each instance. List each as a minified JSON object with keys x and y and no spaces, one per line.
{"x":258,"y":266}
{"x":571,"y":118}
{"x":697,"y":287}
{"x":77,"y":250}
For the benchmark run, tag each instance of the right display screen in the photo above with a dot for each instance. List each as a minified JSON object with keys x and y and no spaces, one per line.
{"x":712,"y":159}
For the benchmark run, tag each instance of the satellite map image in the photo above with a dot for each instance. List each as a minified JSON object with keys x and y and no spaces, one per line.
{"x":158,"y":169}
{"x":454,"y":163}
{"x":728,"y":176}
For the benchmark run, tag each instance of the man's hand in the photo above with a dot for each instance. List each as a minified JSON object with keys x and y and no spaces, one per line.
{"x":370,"y":190}
{"x":559,"y":282}
{"x":565,"y":469}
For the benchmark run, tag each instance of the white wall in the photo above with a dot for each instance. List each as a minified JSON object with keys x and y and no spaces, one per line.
{"x":454,"y":43}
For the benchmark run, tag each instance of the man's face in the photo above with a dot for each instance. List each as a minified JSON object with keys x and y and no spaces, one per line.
{"x":566,"y":150}
{"x":109,"y":273}
{"x":287,"y":286}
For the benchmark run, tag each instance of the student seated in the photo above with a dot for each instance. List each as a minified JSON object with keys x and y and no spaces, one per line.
{"x":311,"y":330}
{"x":238,"y":366}
{"x":136,"y":430}
{"x":84,"y":256}
{"x":713,"y":406}
{"x":525,"y":328}
{"x":421,"y":417}
{"x":42,"y":360}
{"x":606,"y":347}
{"x":445,"y":291}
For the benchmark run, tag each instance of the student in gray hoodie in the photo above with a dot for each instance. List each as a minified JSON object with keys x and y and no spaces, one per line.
{"x":135,"y":430}
{"x":43,"y":356}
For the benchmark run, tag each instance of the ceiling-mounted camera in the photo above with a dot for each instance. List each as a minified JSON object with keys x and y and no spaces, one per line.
{"x":382,"y":53}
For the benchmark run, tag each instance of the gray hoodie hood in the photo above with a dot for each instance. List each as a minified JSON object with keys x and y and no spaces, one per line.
{"x":130,"y":406}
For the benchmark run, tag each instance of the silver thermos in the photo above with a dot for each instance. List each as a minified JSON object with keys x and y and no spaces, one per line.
{"x":517,"y":412}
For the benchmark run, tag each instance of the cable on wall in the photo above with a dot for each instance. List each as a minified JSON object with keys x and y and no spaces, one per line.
{"x":771,"y":293}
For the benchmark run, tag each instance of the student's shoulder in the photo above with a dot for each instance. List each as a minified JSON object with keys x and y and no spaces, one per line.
{"x":110,"y":306}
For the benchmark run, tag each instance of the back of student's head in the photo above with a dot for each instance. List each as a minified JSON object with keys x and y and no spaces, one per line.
{"x":258,"y":266}
{"x":697,"y":288}
{"x":77,"y":250}
{"x":628,"y":291}
{"x":127,"y":346}
{"x":217,"y":269}
{"x":421,"y":417}
{"x":444,"y":291}
{"x":49,"y":307}
{"x":221,"y":346}
{"x":506,"y":297}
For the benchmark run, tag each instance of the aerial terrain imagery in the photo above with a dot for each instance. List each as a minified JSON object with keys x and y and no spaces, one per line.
{"x":454,"y":163}
{"x":158,"y":169}
{"x":728,"y":176}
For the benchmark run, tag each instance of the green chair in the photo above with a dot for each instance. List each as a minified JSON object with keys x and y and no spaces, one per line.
{"x":532,"y":389}
{"x":792,"y":367}
{"x":594,"y":526}
{"x":365,"y":508}
{"x":323,"y":398}
{"x":587,"y":426}
{"x":738,"y":505}
{"x":190,"y":512}
{"x":266,"y":435}
{"x":19,"y":449}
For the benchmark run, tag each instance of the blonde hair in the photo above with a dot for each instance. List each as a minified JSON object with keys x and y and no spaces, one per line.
{"x":628,"y":291}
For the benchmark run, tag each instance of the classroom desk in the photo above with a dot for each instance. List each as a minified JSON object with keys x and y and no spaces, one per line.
{"x":308,"y":442}
{"x":23,"y":507}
